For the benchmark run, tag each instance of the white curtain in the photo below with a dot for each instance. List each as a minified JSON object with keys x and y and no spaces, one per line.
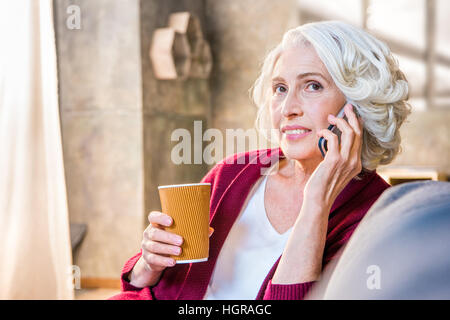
{"x":35,"y":252}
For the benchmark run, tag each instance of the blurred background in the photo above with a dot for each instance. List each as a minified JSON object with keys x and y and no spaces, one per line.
{"x":117,"y":115}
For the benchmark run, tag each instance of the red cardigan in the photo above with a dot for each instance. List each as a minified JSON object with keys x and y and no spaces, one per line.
{"x":231,"y":181}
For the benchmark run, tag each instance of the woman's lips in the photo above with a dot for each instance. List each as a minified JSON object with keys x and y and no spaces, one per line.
{"x":295,"y":132}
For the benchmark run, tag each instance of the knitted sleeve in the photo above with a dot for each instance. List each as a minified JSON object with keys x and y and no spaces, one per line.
{"x":296,"y":291}
{"x":130,"y":292}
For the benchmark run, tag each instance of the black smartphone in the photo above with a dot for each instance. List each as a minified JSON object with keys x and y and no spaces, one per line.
{"x":322,"y":141}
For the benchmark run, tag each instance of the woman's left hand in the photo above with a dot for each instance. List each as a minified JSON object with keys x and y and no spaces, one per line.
{"x":341,"y":164}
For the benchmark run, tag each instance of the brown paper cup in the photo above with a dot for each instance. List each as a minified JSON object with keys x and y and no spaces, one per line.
{"x":188,"y":205}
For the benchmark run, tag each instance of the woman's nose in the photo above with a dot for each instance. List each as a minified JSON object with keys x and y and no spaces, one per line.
{"x":292,"y":106}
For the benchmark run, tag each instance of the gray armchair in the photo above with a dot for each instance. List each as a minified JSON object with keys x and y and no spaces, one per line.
{"x":400,"y":250}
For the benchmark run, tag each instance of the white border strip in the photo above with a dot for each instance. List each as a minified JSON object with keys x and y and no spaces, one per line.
{"x":191,"y":261}
{"x":184,"y":185}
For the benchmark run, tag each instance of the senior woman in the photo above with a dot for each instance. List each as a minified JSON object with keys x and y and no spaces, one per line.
{"x":274,"y":233}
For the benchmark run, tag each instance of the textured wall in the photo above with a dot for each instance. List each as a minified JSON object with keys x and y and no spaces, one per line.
{"x":168,"y":105}
{"x":101,"y":116}
{"x":241,"y":33}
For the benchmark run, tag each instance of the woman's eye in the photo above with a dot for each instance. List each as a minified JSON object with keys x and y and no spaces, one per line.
{"x":278,"y":89}
{"x":314,"y":86}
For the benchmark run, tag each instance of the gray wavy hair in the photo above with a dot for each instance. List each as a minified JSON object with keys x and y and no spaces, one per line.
{"x":366,"y":72}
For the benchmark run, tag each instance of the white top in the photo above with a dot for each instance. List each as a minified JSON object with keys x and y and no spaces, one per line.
{"x":249,"y":252}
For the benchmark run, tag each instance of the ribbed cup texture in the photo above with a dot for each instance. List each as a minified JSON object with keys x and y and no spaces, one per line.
{"x":189,"y":208}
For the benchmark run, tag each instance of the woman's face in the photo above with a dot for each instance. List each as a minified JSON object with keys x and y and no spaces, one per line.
{"x":303,"y":95}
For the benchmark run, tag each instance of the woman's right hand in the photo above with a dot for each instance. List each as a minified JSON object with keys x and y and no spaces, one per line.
{"x":157,"y":245}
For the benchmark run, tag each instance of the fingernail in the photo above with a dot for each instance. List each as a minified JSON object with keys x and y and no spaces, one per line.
{"x":168,"y":221}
